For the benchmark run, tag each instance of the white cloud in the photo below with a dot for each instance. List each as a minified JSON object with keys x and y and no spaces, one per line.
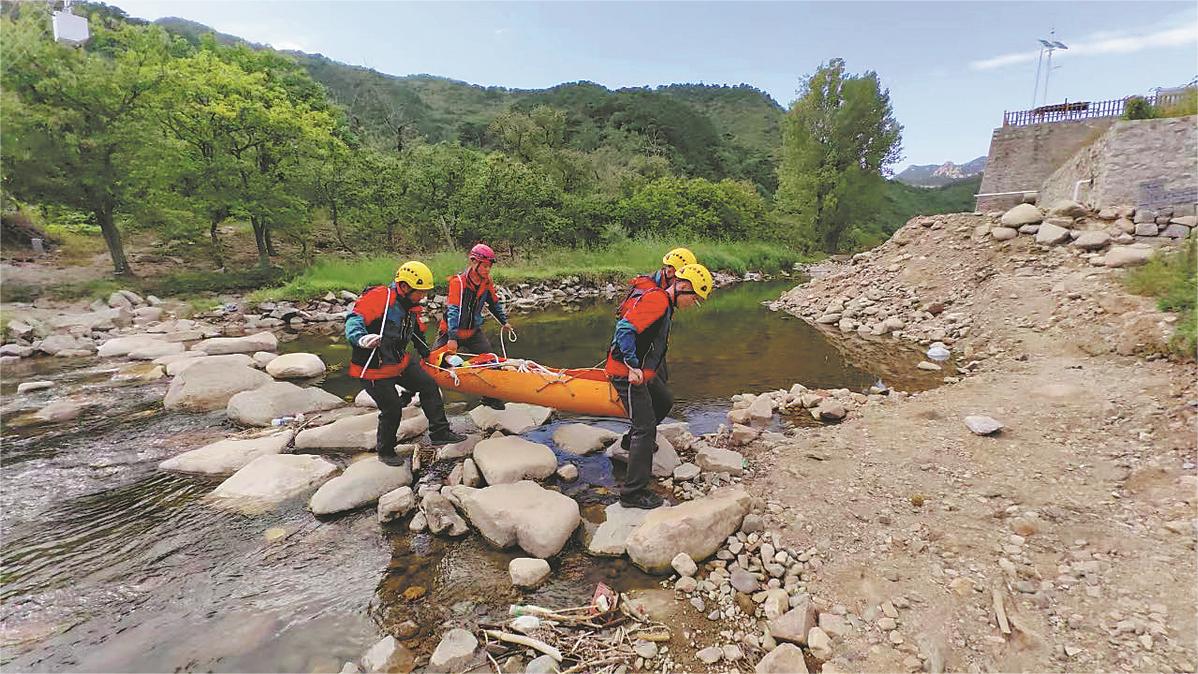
{"x":1105,"y":43}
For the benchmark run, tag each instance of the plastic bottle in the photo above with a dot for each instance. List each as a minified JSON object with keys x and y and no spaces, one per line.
{"x":455,"y":361}
{"x":279,"y":421}
{"x":939,"y":352}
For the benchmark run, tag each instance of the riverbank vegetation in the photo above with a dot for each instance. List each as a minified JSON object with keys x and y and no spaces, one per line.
{"x":1172,"y":278}
{"x":222,"y":157}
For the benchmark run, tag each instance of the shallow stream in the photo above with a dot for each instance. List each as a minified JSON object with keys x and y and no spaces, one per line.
{"x":111,"y":565}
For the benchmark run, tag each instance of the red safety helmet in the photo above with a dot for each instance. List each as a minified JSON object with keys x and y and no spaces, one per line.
{"x":482,"y":251}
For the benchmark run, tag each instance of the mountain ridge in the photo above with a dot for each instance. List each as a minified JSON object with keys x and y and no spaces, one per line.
{"x":936,"y":175}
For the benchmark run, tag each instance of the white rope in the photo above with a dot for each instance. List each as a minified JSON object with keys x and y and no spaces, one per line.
{"x":382,"y":329}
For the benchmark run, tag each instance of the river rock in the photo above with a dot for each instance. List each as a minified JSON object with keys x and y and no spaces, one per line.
{"x":1176,"y":231}
{"x":1092,"y":240}
{"x":743,"y":581}
{"x":360,"y":431}
{"x":178,"y":365}
{"x":1051,"y":234}
{"x":1023,"y":214}
{"x":295,"y":366}
{"x":1146,"y":229}
{"x":262,"y":341}
{"x":795,"y":624}
{"x":441,"y":516}
{"x":278,"y":399}
{"x":106,"y":319}
{"x":122,"y":346}
{"x":665,"y":459}
{"x":582,"y":439}
{"x":695,"y":527}
{"x":459,"y":450}
{"x":508,"y":459}
{"x":829,"y":410}
{"x":761,"y":410}
{"x":710,"y":655}
{"x":157,"y":350}
{"x":206,"y":386}
{"x":226,"y":457}
{"x":542,"y":664}
{"x":269,"y":480}
{"x":742,"y":435}
{"x":776,"y":604}
{"x":1127,"y":256}
{"x":527,"y":572}
{"x":686,"y":472}
{"x":678,"y":433}
{"x":982,"y":425}
{"x":716,"y":460}
{"x":139,"y":372}
{"x":31,"y":386}
{"x":820,"y":644}
{"x":684,"y":565}
{"x":361,"y":484}
{"x":63,"y":344}
{"x":567,"y":472}
{"x":18,"y":350}
{"x":59,"y":411}
{"x":784,"y":659}
{"x":515,"y":418}
{"x":395,"y":504}
{"x":388,"y":655}
{"x":1004,"y":233}
{"x":540,"y":521}
{"x":610,"y":537}
{"x":454,"y":653}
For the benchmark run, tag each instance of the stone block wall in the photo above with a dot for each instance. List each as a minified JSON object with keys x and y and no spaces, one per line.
{"x":1023,"y":157}
{"x":1149,"y":164}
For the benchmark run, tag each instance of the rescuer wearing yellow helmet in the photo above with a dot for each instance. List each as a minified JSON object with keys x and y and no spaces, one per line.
{"x":638,"y":348}
{"x":384,"y":320}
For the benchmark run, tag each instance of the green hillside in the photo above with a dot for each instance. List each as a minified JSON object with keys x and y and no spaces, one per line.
{"x":901,"y":202}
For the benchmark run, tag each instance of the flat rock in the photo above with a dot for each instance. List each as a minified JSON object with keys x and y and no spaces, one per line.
{"x":1092,"y":240}
{"x":209,"y":385}
{"x":743,"y":581}
{"x":527,"y":572}
{"x":665,"y":459}
{"x":515,"y":418}
{"x":687,"y":472}
{"x":696,"y":527}
{"x":359,"y":431}
{"x":122,"y":346}
{"x":459,"y":450}
{"x":278,"y":399}
{"x":30,"y":386}
{"x":1176,"y":231}
{"x":716,"y":460}
{"x":684,"y":565}
{"x":510,"y":459}
{"x":395,"y":504}
{"x":1051,"y":234}
{"x":295,"y":366}
{"x":226,"y":457}
{"x":1023,"y":214}
{"x":1004,"y":233}
{"x":454,"y":653}
{"x":1127,"y":256}
{"x":610,"y":537}
{"x":262,"y":341}
{"x":829,"y":410}
{"x":784,"y":659}
{"x":538,"y":520}
{"x":59,"y":411}
{"x":269,"y":480}
{"x":982,"y":425}
{"x":360,"y":485}
{"x":157,"y":350}
{"x":678,"y":433}
{"x":582,"y":439}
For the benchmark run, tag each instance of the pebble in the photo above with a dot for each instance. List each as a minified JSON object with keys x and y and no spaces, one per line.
{"x":710,"y":655}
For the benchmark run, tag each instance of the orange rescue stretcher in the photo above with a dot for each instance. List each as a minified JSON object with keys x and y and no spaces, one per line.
{"x":579,"y":390}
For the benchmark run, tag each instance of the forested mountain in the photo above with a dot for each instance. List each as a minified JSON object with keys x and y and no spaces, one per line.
{"x":936,"y":175}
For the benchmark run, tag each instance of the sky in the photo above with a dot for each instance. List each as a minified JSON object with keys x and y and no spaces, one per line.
{"x":952,"y":68}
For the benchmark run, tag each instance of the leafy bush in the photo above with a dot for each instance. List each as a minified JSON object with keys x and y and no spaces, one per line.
{"x":1138,"y":107}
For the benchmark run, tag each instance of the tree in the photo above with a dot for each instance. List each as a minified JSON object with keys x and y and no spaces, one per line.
{"x":838,"y":140}
{"x":75,"y":120}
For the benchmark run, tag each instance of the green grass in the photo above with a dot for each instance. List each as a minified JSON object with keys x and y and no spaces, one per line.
{"x":616,"y":262}
{"x":1171,"y":278}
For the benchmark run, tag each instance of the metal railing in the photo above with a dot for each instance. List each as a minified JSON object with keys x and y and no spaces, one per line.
{"x":1074,"y":110}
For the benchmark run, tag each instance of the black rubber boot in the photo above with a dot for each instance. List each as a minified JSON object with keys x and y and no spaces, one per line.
{"x":445,"y":437}
{"x":389,"y":457}
{"x":625,"y":442}
{"x":643,"y":499}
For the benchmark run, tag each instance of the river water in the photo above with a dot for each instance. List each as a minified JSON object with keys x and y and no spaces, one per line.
{"x":110,"y":565}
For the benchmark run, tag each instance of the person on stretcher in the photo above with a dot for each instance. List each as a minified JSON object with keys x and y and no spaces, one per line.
{"x":469,"y":293}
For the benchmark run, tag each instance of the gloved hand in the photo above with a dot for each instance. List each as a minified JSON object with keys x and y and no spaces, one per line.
{"x":508,"y":327}
{"x":451,"y":346}
{"x":636,"y":376}
{"x":369,"y":341}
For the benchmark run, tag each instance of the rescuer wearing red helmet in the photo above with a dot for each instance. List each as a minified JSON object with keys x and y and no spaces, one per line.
{"x":469,"y":293}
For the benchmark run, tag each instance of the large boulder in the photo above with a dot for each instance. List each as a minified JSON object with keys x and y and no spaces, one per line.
{"x":178,"y":363}
{"x":1051,"y":234}
{"x":106,"y":319}
{"x":696,"y":527}
{"x":64,"y":344}
{"x":538,"y":520}
{"x":122,"y":346}
{"x":717,"y":460}
{"x":610,"y":538}
{"x":665,"y":459}
{"x":269,"y":480}
{"x":207,"y":386}
{"x":226,"y":457}
{"x":510,"y":459}
{"x":1127,"y":256}
{"x":278,"y":399}
{"x":359,"y":431}
{"x":515,"y":418}
{"x":262,"y":341}
{"x":360,"y":485}
{"x":295,"y":366}
{"x":1023,"y":214}
{"x":1066,"y":208}
{"x":582,"y":439}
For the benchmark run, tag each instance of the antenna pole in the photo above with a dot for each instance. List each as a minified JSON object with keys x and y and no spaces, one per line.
{"x":1036,"y":86}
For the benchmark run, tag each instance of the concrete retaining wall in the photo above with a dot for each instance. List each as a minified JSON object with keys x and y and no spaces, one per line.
{"x":1023,"y":157}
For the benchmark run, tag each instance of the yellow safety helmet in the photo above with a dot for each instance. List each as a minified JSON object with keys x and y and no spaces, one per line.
{"x":415,"y":274}
{"x":679,"y":258}
{"x":699,"y":277}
